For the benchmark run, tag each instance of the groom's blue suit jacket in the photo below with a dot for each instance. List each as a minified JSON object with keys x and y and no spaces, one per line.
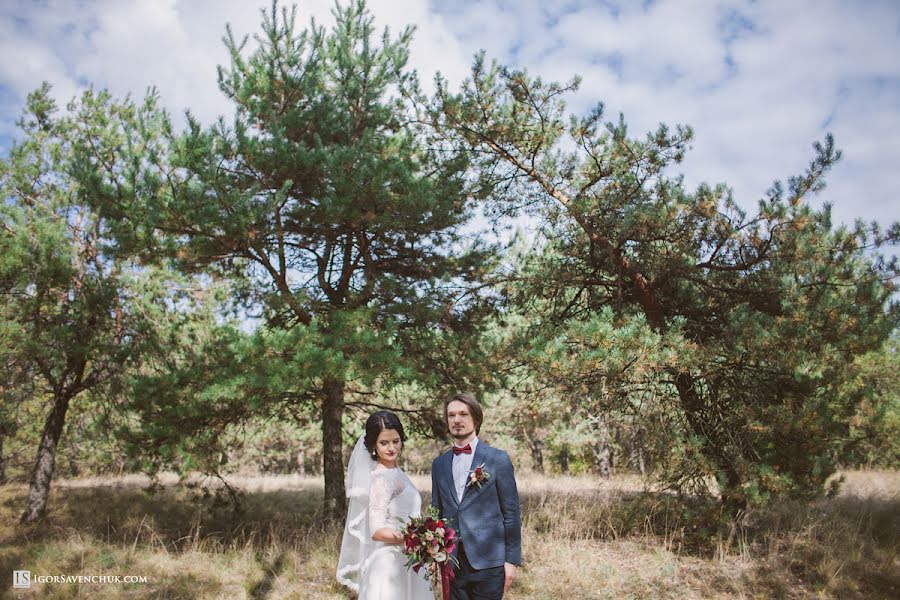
{"x":488,"y":519}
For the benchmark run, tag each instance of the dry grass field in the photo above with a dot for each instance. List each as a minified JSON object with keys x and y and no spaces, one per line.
{"x":583,"y":538}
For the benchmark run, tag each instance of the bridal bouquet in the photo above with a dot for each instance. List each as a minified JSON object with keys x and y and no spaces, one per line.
{"x":429,"y":542}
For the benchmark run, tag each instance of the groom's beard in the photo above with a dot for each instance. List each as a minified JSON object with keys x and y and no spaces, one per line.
{"x":462,"y":435}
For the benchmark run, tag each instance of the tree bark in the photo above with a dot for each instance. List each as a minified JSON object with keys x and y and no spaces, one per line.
{"x":536,"y":445}
{"x":602,"y":452}
{"x":637,"y":451}
{"x":2,"y":463}
{"x":45,"y":463}
{"x":537,"y":455}
{"x":332,"y":446}
{"x":301,"y":462}
{"x":74,"y":435}
{"x":564,"y":460}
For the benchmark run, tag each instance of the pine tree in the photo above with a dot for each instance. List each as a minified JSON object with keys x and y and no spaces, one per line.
{"x":66,"y":329}
{"x":749,"y":322}
{"x":337,"y":208}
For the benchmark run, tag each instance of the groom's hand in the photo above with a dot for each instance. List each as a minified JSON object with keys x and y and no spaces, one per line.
{"x":511,"y":571}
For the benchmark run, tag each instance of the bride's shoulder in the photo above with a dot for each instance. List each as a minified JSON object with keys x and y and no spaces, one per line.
{"x":382,"y":471}
{"x":406,"y":478}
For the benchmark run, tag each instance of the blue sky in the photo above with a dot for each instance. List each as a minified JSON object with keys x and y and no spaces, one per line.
{"x":759,"y":81}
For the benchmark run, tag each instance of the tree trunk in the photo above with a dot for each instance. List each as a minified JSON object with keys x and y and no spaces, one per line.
{"x":2,"y":463}
{"x":332,"y":448}
{"x":715,"y":448}
{"x":536,"y":445}
{"x":537,"y":455}
{"x":637,"y":451}
{"x":732,"y":495}
{"x":617,"y":444}
{"x":301,"y":462}
{"x":564,"y":460}
{"x":74,"y":435}
{"x":602,"y":452}
{"x":45,"y":463}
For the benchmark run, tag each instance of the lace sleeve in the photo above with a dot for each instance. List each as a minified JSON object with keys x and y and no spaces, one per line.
{"x":379,"y":499}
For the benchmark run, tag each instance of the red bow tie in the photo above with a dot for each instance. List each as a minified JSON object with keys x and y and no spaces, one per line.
{"x":467,"y":449}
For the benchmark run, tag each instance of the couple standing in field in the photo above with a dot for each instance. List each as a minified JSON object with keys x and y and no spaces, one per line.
{"x":484,"y":510}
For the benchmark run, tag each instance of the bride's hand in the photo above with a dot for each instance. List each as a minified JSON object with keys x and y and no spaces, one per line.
{"x":388,"y":535}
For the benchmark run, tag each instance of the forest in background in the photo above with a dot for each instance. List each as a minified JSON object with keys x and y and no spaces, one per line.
{"x":241,"y":296}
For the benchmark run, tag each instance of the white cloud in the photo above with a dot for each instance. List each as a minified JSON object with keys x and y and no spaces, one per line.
{"x":758,"y":81}
{"x":434,"y":48}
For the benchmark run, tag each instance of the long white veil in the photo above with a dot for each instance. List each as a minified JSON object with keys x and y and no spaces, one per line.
{"x":357,"y":544}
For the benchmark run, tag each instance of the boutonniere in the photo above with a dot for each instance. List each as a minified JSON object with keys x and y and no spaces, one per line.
{"x":478,"y":475}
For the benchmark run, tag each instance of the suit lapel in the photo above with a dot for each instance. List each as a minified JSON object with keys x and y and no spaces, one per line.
{"x":477,"y":459}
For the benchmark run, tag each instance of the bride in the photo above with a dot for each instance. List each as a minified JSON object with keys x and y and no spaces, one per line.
{"x":381,"y":497}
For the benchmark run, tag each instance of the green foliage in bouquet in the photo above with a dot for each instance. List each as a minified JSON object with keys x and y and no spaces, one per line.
{"x":429,"y":542}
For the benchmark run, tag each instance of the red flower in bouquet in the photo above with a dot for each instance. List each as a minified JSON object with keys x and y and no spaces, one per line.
{"x":429,"y":542}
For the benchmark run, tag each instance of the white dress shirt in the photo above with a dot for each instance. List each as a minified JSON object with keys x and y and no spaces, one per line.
{"x":462,"y":466}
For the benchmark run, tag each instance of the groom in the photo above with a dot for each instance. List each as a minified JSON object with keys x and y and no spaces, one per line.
{"x":486,"y":513}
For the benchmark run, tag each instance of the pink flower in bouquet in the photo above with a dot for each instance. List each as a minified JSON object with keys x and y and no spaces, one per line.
{"x":429,"y":542}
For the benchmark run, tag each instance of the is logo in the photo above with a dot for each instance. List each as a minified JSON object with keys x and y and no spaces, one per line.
{"x":22,"y":579}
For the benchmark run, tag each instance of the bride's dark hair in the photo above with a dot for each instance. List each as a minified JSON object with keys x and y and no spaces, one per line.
{"x":378,"y":422}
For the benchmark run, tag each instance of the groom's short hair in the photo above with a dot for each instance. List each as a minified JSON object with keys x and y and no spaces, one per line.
{"x":470,"y":401}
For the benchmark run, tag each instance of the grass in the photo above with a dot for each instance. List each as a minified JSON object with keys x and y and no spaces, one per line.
{"x":582,"y":538}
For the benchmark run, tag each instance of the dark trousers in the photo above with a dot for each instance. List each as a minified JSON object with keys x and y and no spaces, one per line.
{"x":476,"y":584}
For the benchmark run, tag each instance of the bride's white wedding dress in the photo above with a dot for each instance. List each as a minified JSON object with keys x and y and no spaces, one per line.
{"x":379,"y":497}
{"x":392,"y":501}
